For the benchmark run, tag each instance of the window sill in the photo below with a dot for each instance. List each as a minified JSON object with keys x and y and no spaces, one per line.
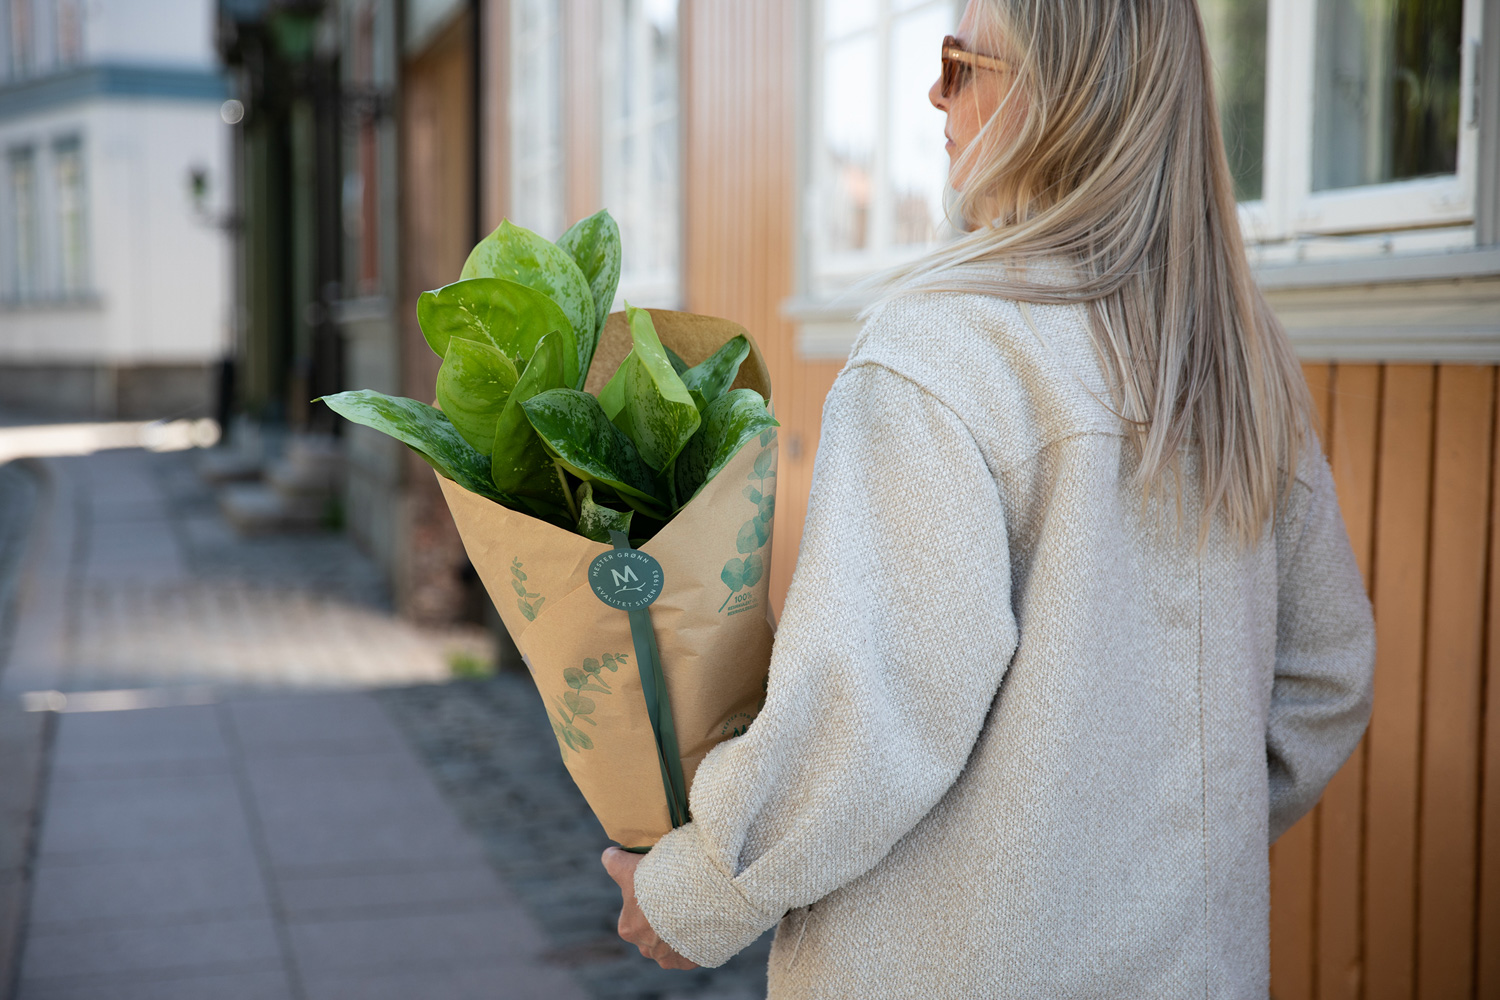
{"x":90,"y":301}
{"x":1416,"y":307}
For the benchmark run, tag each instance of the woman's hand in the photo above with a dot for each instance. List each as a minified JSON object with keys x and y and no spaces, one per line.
{"x":633,"y":925}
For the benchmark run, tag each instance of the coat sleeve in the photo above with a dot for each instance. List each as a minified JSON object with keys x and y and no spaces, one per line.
{"x":896,"y":633}
{"x":1325,"y":656}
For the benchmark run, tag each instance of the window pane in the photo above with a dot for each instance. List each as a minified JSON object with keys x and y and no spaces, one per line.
{"x":849,"y":81}
{"x":71,"y":219}
{"x":918,"y":162}
{"x":1237,"y":41}
{"x":840,"y":17}
{"x":536,"y":194}
{"x":1387,"y":91}
{"x":24,"y":236}
{"x":639,"y":175}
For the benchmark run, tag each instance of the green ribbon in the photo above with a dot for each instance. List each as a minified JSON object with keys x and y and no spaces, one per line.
{"x":658,"y":705}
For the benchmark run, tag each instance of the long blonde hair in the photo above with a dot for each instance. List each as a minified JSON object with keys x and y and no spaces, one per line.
{"x":1107,"y":153}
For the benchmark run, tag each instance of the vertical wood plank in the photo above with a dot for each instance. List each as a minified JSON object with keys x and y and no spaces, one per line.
{"x":1403,"y":500}
{"x":1488,"y":963}
{"x":1447,"y":864}
{"x":1353,"y":441}
{"x":1294,"y":856}
{"x":1320,"y":378}
{"x":494,"y":110}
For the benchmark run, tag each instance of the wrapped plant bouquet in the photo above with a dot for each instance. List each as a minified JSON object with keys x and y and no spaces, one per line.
{"x":613,"y":478}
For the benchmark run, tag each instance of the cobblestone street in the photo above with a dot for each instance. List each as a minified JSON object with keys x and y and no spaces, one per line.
{"x":260,"y":782}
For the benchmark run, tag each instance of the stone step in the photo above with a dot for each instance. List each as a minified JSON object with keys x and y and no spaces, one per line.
{"x":228,"y":465}
{"x":259,"y":508}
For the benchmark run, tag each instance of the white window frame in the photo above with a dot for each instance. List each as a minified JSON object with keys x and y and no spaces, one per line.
{"x":626,"y":189}
{"x":537,"y":101}
{"x":829,"y":271}
{"x":1290,"y":208}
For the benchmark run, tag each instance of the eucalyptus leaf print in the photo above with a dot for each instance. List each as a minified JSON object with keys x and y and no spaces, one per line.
{"x":745,"y":570}
{"x":528,"y":602}
{"x":574,"y":706}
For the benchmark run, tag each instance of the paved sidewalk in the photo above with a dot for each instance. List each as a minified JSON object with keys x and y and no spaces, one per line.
{"x":269,"y":848}
{"x":245,"y":841}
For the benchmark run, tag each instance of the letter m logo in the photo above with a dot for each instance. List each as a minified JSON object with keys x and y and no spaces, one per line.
{"x":621,"y":579}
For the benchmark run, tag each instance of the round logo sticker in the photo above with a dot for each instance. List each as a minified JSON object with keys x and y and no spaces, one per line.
{"x":627,"y":579}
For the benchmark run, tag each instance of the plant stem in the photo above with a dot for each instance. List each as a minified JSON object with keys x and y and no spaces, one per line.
{"x":562,"y":478}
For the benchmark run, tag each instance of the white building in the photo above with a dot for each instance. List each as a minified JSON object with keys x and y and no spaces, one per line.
{"x":114,"y":170}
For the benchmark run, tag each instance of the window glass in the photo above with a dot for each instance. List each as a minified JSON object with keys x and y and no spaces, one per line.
{"x":23,"y":216}
{"x":1386,"y":91}
{"x":639,"y":168}
{"x":72,"y":219}
{"x":536,"y":185}
{"x":842,"y":17}
{"x":1237,"y":41}
{"x":849,"y":136}
{"x":918,"y":162}
{"x":69,"y":32}
{"x":21,"y":50}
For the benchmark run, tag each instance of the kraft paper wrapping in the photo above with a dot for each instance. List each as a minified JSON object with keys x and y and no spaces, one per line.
{"x":715,"y":642}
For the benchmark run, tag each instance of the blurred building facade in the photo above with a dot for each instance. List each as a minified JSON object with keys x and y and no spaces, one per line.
{"x":762,"y":157}
{"x":114,"y":281}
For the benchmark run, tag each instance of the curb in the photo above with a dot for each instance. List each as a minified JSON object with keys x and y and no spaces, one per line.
{"x":25,"y":739}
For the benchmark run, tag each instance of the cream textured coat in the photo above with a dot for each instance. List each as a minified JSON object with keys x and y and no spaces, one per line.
{"x":1022,"y":738}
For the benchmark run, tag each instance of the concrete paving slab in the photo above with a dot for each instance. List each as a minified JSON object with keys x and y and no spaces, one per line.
{"x":311,"y":725}
{"x":129,"y":893}
{"x":388,"y":890}
{"x":96,"y":744}
{"x":491,"y":982}
{"x":191,"y":946}
{"x":255,"y":985}
{"x":410,"y":942}
{"x":139,"y":817}
{"x":353,"y":809}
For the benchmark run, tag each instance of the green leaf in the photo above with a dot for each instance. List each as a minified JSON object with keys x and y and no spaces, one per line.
{"x":752,"y":494}
{"x":714,"y":377}
{"x":595,"y":521}
{"x":472,"y":387}
{"x":612,"y":661}
{"x":577,"y":703}
{"x":651,"y":404}
{"x":423,"y":429}
{"x":594,"y":244}
{"x":520,"y":461}
{"x":575,"y":678}
{"x":573,"y":428}
{"x":578,"y":739}
{"x":678,"y":365}
{"x":767,"y":508}
{"x":522,"y":256}
{"x":732,"y":420}
{"x":591,"y":666}
{"x":507,"y":315}
{"x":754,"y":567}
{"x":733,"y":574}
{"x":520,"y":588}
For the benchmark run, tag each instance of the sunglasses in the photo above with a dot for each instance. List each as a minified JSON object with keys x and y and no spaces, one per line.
{"x":959,"y":65}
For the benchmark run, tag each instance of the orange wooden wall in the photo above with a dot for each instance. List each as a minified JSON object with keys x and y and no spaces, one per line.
{"x":1391,"y":887}
{"x":740,"y":171}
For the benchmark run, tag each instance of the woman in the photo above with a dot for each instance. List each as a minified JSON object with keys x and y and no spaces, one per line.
{"x":1075,"y":632}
